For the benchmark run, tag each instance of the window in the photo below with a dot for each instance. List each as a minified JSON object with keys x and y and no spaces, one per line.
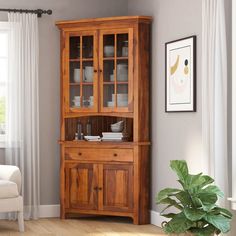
{"x":3,"y":81}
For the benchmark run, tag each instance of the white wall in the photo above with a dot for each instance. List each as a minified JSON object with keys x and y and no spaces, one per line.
{"x":175,"y":135}
{"x":49,"y":76}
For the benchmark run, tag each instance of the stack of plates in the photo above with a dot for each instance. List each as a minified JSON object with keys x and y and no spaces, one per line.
{"x":110,"y":136}
{"x":92,"y":138}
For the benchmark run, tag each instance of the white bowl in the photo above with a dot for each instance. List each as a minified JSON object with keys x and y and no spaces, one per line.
{"x":76,"y":98}
{"x":110,"y":104}
{"x":108,"y":51}
{"x":116,"y":129}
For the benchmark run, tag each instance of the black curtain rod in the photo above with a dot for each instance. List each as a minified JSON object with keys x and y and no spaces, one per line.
{"x":39,"y":12}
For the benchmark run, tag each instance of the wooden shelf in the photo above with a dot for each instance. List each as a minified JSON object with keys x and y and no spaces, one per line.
{"x":83,"y":59}
{"x":109,"y":82}
{"x":83,"y":83}
{"x":113,"y":58}
{"x":117,"y":82}
{"x":75,"y":60}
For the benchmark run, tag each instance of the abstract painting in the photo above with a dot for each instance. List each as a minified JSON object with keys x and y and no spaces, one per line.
{"x":181,"y":75}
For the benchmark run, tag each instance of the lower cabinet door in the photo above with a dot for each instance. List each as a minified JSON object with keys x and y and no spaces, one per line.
{"x":81,"y":186}
{"x":117,"y":182}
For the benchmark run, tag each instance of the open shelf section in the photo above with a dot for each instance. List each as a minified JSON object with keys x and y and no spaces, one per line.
{"x":99,"y":124}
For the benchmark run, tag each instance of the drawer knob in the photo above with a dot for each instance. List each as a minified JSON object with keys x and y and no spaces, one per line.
{"x":100,"y":189}
{"x":95,"y":188}
{"x":80,"y":153}
{"x":115,"y":155}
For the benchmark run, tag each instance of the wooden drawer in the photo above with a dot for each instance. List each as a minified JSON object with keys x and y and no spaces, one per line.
{"x":99,"y":154}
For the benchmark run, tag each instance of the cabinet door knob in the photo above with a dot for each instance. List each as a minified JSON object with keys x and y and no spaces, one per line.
{"x":80,"y":153}
{"x":95,"y":188}
{"x":99,"y":188}
{"x":100,"y":71}
{"x":115,"y":155}
{"x":95,"y":71}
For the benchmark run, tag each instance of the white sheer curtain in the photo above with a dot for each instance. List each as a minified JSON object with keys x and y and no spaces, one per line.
{"x":23,"y":107}
{"x":214,"y":91}
{"x":233,"y":105}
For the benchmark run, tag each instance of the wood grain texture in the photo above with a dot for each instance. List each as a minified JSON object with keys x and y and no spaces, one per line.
{"x":102,"y":21}
{"x":84,"y":227}
{"x":107,"y":178}
{"x":81,"y":179}
{"x":117,"y":187}
{"x":99,"y":155}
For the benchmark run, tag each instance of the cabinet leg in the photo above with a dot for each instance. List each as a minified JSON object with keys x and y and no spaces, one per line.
{"x":136,"y":220}
{"x":62,"y":215}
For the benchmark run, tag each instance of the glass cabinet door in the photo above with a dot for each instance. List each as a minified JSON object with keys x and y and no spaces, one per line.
{"x":82,"y":71}
{"x":116,"y":65}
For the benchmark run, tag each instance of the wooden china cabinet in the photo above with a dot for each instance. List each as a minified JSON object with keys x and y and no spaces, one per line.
{"x":105,"y":79}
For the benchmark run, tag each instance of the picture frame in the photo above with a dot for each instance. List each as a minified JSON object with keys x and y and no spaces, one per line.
{"x":180,"y":75}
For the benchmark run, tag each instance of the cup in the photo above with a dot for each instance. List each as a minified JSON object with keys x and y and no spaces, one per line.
{"x":88,"y":72}
{"x":76,"y":75}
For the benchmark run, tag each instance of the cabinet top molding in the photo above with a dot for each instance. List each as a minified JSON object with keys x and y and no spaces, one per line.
{"x":68,"y":23}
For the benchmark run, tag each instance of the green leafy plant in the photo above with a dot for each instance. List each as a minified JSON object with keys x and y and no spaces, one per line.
{"x":197,"y":211}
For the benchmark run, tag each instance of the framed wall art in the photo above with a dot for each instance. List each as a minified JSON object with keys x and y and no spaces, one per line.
{"x":180,"y":76}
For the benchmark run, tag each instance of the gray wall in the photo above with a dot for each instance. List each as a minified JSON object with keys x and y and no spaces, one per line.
{"x":49,"y":76}
{"x":175,"y":135}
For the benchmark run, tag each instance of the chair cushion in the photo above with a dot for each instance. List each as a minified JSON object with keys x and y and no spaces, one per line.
{"x":8,"y":189}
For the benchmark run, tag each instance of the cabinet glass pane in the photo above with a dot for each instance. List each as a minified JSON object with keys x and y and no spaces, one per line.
{"x":122,"y":70}
{"x":75,"y":47}
{"x":108,"y":95}
{"x":122,"y":45}
{"x":87,"y":96}
{"x":122,"y":95}
{"x":88,"y":72}
{"x":75,"y":72}
{"x":87,"y":50}
{"x":75,"y":99}
{"x":108,"y":45}
{"x":108,"y":71}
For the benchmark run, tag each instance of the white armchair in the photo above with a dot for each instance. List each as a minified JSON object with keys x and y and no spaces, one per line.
{"x":10,"y":189}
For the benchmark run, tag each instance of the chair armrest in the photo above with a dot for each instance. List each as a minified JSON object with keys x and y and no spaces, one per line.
{"x":11,"y":173}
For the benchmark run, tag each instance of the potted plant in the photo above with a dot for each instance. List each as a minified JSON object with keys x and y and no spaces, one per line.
{"x":197,"y":212}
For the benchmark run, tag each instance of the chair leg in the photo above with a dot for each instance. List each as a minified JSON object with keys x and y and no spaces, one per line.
{"x":21,"y":221}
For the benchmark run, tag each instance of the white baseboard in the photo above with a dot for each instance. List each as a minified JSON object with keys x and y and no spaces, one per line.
{"x":3,"y":216}
{"x":156,"y":218}
{"x":45,"y":211}
{"x":48,"y":211}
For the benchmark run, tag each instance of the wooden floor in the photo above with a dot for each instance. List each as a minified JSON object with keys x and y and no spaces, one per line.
{"x":80,"y":227}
